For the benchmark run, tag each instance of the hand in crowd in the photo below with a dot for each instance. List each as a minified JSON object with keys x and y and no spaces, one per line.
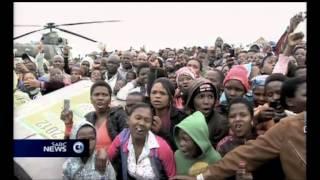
{"x":295,"y":38}
{"x":135,"y":82}
{"x":21,"y":68}
{"x":156,"y":124}
{"x":95,"y":66}
{"x":101,"y":160}
{"x":32,"y":83}
{"x":279,"y":115}
{"x":66,"y":50}
{"x":293,"y":60}
{"x":264,"y":120}
{"x":139,"y":81}
{"x":266,"y":114}
{"x":118,"y":86}
{"x":295,"y":20}
{"x":67,"y":117}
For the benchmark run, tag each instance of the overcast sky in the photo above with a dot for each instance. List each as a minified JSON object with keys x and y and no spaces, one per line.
{"x":158,"y":25}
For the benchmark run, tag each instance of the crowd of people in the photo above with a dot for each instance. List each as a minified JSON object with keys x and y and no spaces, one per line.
{"x":190,"y":113}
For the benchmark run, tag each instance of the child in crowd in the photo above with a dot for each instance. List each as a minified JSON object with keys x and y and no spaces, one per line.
{"x":85,"y":167}
{"x":195,"y":151}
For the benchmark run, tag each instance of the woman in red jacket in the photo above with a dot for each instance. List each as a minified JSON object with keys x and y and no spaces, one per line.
{"x":137,"y":153}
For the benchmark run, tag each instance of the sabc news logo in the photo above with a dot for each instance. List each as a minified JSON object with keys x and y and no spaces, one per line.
{"x":78,"y":147}
{"x":56,"y":147}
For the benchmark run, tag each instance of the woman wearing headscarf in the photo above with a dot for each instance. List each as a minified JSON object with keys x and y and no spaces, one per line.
{"x":184,"y":78}
{"x":85,"y":167}
{"x":236,"y":84}
{"x":86,"y":63}
{"x":257,"y":84}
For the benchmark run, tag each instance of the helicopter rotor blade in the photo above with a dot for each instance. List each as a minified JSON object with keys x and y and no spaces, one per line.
{"x":76,"y":34}
{"x":28,"y":33}
{"x":91,"y":22}
{"x":19,"y":25}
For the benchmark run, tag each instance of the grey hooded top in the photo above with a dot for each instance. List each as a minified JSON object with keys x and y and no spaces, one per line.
{"x":74,"y":168}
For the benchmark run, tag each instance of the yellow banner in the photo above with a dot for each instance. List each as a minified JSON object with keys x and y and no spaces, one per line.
{"x":42,"y":116}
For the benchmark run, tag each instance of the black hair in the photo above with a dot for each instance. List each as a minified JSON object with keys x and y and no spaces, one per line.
{"x":167,"y":85}
{"x":95,"y":69}
{"x":197,"y":84}
{"x":114,"y":58}
{"x":203,"y":50}
{"x":265,"y":58}
{"x":298,"y":47}
{"x":140,"y":105}
{"x":275,"y":77}
{"x":220,"y":74}
{"x":77,"y":68}
{"x":196,"y":59}
{"x":104,"y":61}
{"x":242,"y":51}
{"x":183,"y":56}
{"x":225,"y":45}
{"x":141,"y":66}
{"x":172,"y":51}
{"x":291,"y":69}
{"x":52,"y":86}
{"x":151,"y":55}
{"x":131,"y":71}
{"x":289,"y":87}
{"x":136,"y":93}
{"x":172,"y":72}
{"x":242,"y":100}
{"x":153,"y":75}
{"x":232,"y":52}
{"x":160,"y":62}
{"x":25,"y":56}
{"x":253,"y":50}
{"x":100,"y":83}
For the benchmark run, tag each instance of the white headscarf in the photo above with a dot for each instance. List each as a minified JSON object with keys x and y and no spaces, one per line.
{"x":74,"y":168}
{"x":88,"y":59}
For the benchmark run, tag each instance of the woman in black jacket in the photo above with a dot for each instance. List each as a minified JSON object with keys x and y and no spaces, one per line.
{"x":113,"y":118}
{"x":166,"y":116}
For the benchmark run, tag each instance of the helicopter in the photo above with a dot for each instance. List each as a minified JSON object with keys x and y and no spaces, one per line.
{"x":52,"y":43}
